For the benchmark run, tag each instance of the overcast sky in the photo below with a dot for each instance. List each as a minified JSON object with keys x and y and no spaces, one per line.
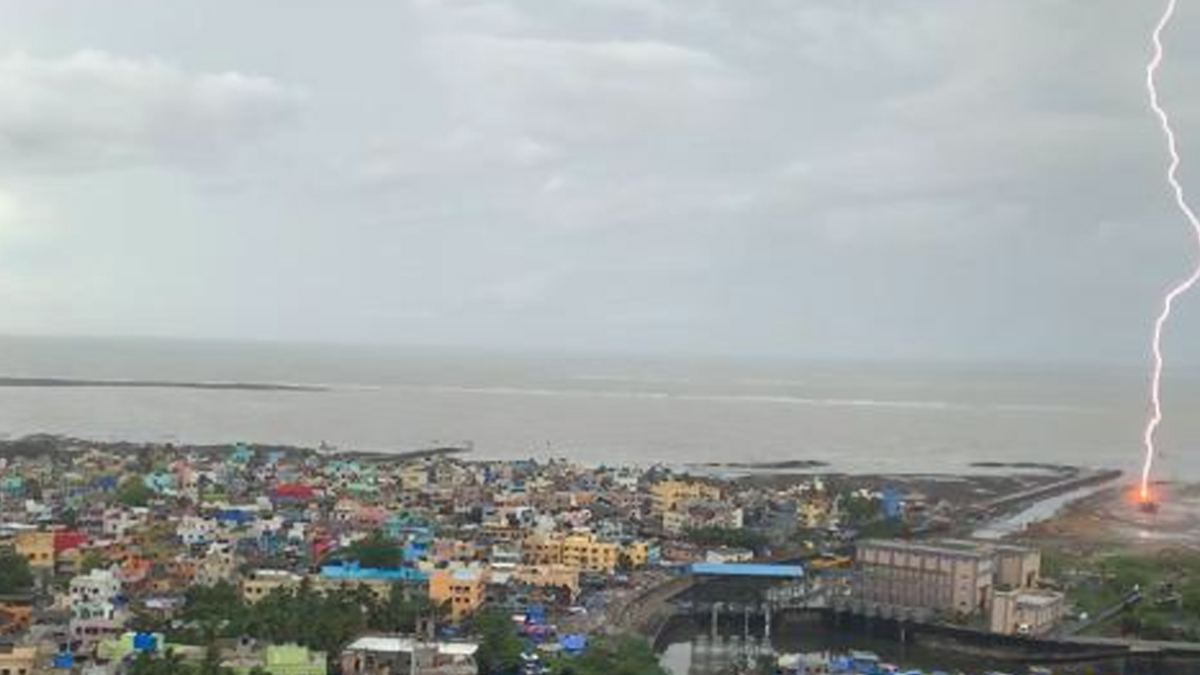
{"x":849,"y":178}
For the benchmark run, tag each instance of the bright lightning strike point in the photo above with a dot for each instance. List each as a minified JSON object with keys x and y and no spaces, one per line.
{"x":1182,"y":286}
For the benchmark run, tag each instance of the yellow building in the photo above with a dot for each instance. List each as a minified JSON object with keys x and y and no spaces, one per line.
{"x":812,"y":513}
{"x":37,"y":547}
{"x":583,"y":551}
{"x":17,"y":660}
{"x":638,"y":553}
{"x":258,"y":584}
{"x":669,"y":494}
{"x":461,"y":589}
{"x":562,"y":576}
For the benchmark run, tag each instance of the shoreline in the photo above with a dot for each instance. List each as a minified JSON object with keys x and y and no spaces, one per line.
{"x":71,"y":383}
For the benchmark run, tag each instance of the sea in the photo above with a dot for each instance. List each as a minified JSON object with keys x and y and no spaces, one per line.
{"x":876,"y":417}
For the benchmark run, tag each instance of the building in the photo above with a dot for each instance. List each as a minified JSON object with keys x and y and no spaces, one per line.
{"x":462,"y":589}
{"x":97,"y":608}
{"x":217,"y":564}
{"x":951,"y":577}
{"x":1017,"y":566}
{"x":585,"y":552}
{"x":411,"y":581}
{"x":1026,"y":611}
{"x":95,"y":593}
{"x":559,"y":576}
{"x":16,"y":613}
{"x":667,"y":495}
{"x":694,"y":513}
{"x":17,"y":660}
{"x":289,"y":660}
{"x":404,"y":655}
{"x":38,"y":548}
{"x":728,"y":555}
{"x":638,"y":553}
{"x":965,"y":578}
{"x":260,"y":583}
{"x":589,"y":554}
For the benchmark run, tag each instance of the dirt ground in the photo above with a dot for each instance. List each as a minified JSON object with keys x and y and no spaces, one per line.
{"x":1114,"y":519}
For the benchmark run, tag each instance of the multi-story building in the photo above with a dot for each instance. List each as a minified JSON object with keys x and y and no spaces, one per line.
{"x":117,"y":521}
{"x":194,"y":530}
{"x":16,"y":613}
{"x":693,"y":514}
{"x":1017,"y":566}
{"x":965,"y":578}
{"x":219,"y":563}
{"x":583,"y":551}
{"x":97,"y":608}
{"x":461,"y":589}
{"x":1026,"y":611}
{"x":16,"y":660}
{"x":38,"y":548}
{"x":667,"y":495}
{"x":559,"y":576}
{"x":410,"y":581}
{"x":953,"y":577}
{"x":258,"y":584}
{"x":586,"y":552}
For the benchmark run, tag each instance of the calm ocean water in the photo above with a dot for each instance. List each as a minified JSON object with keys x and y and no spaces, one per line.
{"x":857,"y":417}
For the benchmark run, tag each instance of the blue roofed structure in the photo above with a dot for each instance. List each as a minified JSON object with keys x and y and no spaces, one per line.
{"x":351,"y":571}
{"x":747,"y":570}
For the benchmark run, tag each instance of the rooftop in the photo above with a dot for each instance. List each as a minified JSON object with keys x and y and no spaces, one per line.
{"x":396,"y":644}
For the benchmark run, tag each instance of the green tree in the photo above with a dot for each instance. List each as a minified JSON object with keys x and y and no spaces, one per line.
{"x":216,"y":609}
{"x":859,"y":508}
{"x":134,"y":492}
{"x":15,"y":575}
{"x":398,"y":613}
{"x":169,"y":663}
{"x":499,"y":645}
{"x":91,"y":560}
{"x":724,"y":536}
{"x":618,"y":655}
{"x":376,"y":550}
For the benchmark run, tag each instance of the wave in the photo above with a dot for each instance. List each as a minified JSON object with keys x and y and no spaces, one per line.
{"x":772,"y":399}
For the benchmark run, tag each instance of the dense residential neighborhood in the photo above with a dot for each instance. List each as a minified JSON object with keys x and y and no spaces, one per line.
{"x":251,"y":559}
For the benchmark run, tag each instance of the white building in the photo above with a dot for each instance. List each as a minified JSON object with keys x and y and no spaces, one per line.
{"x":194,"y":530}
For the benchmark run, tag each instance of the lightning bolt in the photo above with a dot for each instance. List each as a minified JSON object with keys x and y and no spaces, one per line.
{"x":1182,"y":286}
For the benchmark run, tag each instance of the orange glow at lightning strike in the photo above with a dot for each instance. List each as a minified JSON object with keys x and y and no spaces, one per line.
{"x":1181,"y":287}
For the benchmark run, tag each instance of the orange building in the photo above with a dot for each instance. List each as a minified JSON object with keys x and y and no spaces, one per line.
{"x":461,"y":589}
{"x":16,"y":612}
{"x":37,"y":547}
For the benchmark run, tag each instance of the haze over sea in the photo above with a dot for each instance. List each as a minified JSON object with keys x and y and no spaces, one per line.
{"x":862,"y":417}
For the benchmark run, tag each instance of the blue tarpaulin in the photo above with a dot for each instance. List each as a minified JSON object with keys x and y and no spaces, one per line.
{"x":573,"y":642}
{"x":145,"y":642}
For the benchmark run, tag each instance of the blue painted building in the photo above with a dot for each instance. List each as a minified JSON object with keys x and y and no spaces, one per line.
{"x":352,"y":571}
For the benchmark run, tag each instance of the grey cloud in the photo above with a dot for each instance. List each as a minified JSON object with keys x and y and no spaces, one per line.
{"x":94,"y":110}
{"x":859,"y":178}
